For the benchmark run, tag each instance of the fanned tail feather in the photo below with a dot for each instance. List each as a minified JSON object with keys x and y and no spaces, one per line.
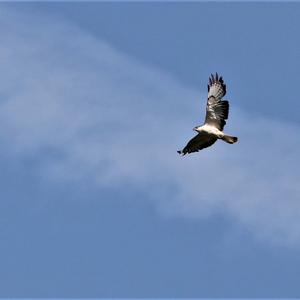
{"x":230,"y":139}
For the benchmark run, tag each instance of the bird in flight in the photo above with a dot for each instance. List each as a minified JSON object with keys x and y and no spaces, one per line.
{"x":216,"y":114}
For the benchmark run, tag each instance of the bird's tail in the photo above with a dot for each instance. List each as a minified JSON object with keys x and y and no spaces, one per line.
{"x":229,"y":139}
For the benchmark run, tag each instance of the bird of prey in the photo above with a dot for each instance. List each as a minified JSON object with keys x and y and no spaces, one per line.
{"x":216,"y":114}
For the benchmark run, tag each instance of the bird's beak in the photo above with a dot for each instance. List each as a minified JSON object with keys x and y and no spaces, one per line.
{"x":195,"y":128}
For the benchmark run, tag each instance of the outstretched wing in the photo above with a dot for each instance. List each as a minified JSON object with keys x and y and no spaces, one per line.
{"x":216,"y":108}
{"x":200,"y":141}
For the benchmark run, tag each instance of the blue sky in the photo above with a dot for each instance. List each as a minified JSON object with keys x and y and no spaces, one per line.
{"x":95,"y":100}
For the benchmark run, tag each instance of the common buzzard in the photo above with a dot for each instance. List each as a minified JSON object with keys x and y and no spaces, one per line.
{"x":216,"y":114}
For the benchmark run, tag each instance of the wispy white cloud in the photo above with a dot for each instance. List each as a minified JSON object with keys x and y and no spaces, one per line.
{"x":90,"y":112}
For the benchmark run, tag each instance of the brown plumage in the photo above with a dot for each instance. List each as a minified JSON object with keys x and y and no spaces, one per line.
{"x":217,"y":111}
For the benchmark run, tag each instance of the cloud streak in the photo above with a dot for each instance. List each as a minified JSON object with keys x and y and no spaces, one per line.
{"x":84,"y":110}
